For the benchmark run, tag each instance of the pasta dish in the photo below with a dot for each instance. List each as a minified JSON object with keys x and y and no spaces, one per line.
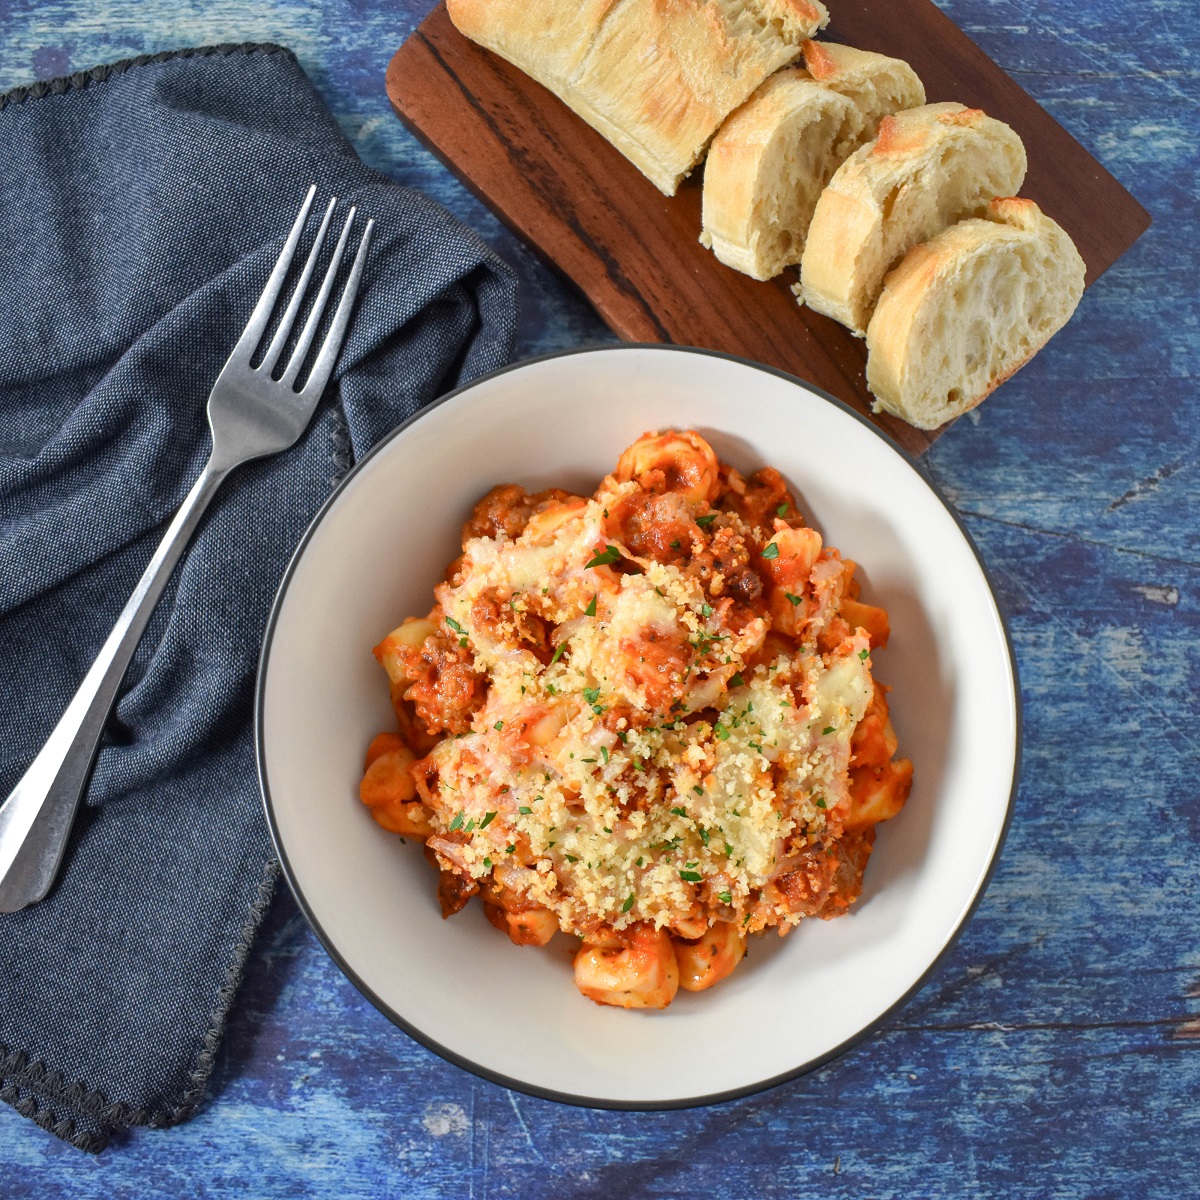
{"x":645,"y":718}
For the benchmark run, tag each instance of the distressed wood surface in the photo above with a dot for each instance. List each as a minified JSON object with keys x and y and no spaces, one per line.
{"x":1056,"y":1051}
{"x":635,"y":253}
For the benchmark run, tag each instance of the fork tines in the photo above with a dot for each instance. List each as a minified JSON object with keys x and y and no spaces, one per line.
{"x":260,"y":318}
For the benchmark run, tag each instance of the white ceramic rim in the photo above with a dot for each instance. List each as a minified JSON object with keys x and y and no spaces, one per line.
{"x":566,"y":1097}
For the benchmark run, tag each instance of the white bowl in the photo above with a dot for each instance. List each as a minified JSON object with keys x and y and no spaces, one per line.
{"x":512,"y":1014}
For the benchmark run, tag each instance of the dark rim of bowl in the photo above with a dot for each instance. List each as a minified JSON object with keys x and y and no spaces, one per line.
{"x":517,"y":1084}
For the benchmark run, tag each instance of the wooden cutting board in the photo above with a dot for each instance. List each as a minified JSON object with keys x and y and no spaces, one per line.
{"x":635,"y":253}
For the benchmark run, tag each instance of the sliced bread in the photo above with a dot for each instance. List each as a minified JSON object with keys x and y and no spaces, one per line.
{"x":655,"y":77}
{"x":965,"y":310}
{"x":928,"y":168}
{"x":770,"y":160}
{"x":878,"y":85}
{"x":767,"y":166}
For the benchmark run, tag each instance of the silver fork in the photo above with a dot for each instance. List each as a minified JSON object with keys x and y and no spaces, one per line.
{"x":250,"y":415}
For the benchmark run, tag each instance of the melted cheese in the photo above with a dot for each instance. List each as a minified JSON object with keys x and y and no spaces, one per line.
{"x":612,"y":823}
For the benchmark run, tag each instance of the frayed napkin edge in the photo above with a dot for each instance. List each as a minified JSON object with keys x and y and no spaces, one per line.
{"x":32,"y":1088}
{"x":84,"y":79}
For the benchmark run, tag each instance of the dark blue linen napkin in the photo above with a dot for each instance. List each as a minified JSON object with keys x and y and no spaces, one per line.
{"x":141,"y":208}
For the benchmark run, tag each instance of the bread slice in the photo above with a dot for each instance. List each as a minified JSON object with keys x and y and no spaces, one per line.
{"x":767,"y":166}
{"x":878,"y":85}
{"x":655,"y":77}
{"x":929,"y":167}
{"x":964,"y":311}
{"x":770,"y":160}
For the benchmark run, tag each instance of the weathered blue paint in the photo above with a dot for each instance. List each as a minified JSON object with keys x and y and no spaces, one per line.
{"x":1056,"y":1052}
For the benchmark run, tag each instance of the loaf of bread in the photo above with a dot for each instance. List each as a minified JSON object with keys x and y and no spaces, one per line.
{"x":655,"y":77}
{"x":965,"y":310}
{"x":770,"y":160}
{"x":928,"y":168}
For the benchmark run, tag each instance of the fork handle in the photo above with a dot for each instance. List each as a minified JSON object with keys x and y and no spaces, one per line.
{"x":36,"y":819}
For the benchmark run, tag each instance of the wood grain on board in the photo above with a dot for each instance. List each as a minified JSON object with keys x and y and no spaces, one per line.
{"x":635,"y":252}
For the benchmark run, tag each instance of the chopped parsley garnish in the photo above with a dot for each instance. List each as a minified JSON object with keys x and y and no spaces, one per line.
{"x":469,"y":825}
{"x":591,"y":695}
{"x":704,"y":641}
{"x":570,"y":858}
{"x":608,"y":555}
{"x":462,"y":641}
{"x":551,"y":689}
{"x":590,"y":611}
{"x":725,"y":897}
{"x":455,"y":625}
{"x":772,"y":551}
{"x":779,"y":512}
{"x":624,"y":737}
{"x":604,"y":753}
{"x":690,"y":876}
{"x":487,"y":862}
{"x":457,"y":822}
{"x":736,"y":680}
{"x":706,"y":610}
{"x":794,"y":599}
{"x":721,"y":731}
{"x":698,"y":790}
{"x":524,"y":810}
{"x":557,"y":655}
{"x":628,"y":903}
{"x":704,"y":836}
{"x":679,"y":812}
{"x":755,"y":746}
{"x":728,"y":850}
{"x":862,"y":655}
{"x":639,"y":862}
{"x":498,"y":726}
{"x":827,"y":730}
{"x":509,"y":849}
{"x":488,"y":818}
{"x":675,"y":545}
{"x":819,"y":802}
{"x":704,"y":522}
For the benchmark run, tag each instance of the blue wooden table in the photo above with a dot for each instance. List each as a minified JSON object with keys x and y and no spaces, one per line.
{"x":1056,"y":1051}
